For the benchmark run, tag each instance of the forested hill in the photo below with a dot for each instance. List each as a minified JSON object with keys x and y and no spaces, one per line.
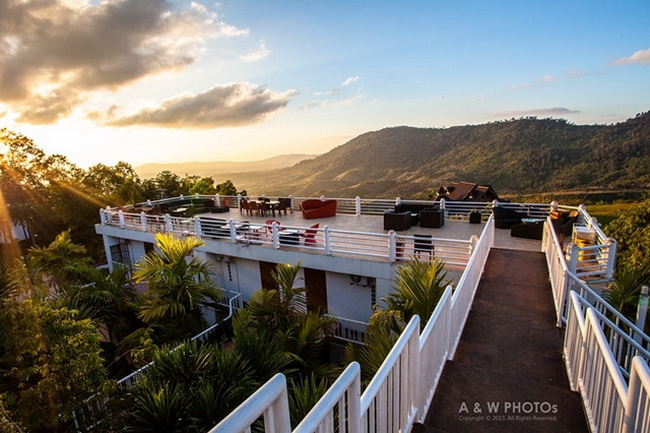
{"x":527,"y":155}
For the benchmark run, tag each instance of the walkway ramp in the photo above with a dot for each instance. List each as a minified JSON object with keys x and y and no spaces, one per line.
{"x":508,"y":374}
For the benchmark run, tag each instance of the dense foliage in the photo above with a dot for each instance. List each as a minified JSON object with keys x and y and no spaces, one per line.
{"x":48,"y":194}
{"x":632,"y":232}
{"x":526,"y":155}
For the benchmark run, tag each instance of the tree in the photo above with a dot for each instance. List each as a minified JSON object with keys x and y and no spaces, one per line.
{"x":50,"y":363}
{"x":417,"y":290}
{"x":177,"y":289}
{"x":119,"y":183}
{"x":46,"y":193}
{"x":624,"y":293}
{"x":170,"y":182}
{"x":112,"y":298}
{"x":60,"y":262}
{"x":190,"y":388}
{"x":204,"y":186}
{"x":280,"y":317}
{"x":632,"y":232}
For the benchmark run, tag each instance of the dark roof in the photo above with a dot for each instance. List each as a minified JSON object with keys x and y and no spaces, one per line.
{"x":466,"y":191}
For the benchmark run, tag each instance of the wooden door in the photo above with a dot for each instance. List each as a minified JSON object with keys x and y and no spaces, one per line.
{"x":316,"y":284}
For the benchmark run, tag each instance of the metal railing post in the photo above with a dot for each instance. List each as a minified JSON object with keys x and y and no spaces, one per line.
{"x":392,"y":247}
{"x":120,"y":215}
{"x":473,"y":240}
{"x":233,"y":231}
{"x":611,"y":258}
{"x":573,"y":251}
{"x":276,"y":235}
{"x":291,"y":203}
{"x":327,"y":233}
{"x":357,"y":205}
{"x":197,"y":226}
{"x":641,"y":312}
{"x":168,"y":223}
{"x":217,"y":199}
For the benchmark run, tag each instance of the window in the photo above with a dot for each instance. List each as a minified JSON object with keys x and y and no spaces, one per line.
{"x":120,"y":254}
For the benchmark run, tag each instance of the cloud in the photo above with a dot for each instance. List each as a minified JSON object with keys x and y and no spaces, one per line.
{"x":230,"y":105}
{"x":547,"y":79}
{"x":57,"y":52}
{"x":554,"y":111}
{"x":337,"y":90}
{"x":259,"y":54}
{"x":641,"y":57}
{"x":349,"y":101}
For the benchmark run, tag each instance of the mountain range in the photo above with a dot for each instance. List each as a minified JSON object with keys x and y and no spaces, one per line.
{"x":517,"y":156}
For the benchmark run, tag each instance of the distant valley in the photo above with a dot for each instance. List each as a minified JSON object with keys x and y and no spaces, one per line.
{"x":217,"y":169}
{"x":518,"y":156}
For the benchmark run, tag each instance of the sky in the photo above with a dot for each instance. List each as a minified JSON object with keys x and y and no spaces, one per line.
{"x":240,"y":80}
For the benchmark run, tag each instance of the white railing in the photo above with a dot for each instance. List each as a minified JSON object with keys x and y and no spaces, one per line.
{"x":435,"y":343}
{"x":349,"y":329}
{"x":390,"y":402}
{"x":270,"y":401}
{"x":595,"y":372}
{"x":232,"y":302}
{"x":340,"y":406}
{"x":623,"y":347}
{"x":563,"y":282}
{"x":403,"y":387}
{"x":451,"y":251}
{"x":323,"y":240}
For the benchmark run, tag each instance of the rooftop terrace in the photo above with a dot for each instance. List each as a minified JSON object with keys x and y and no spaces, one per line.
{"x":605,"y":355}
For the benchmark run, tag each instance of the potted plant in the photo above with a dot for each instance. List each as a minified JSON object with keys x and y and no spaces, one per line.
{"x":475,"y":217}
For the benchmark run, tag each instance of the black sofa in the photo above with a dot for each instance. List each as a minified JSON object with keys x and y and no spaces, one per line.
{"x":505,"y":218}
{"x":397,"y":220}
{"x":414,"y":209}
{"x":432,"y":218}
{"x":563,"y":221}
{"x":531,"y":230}
{"x":194,"y":206}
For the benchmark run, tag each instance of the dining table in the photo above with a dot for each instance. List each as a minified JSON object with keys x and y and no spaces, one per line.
{"x":272,"y":204}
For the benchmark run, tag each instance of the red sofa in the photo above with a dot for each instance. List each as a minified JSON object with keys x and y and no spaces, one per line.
{"x":314,"y":208}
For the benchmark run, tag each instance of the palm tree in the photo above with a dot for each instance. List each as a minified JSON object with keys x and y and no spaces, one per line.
{"x":281,"y":316}
{"x":624,"y":293}
{"x":418,"y":289}
{"x":112,"y":297}
{"x":190,"y":388}
{"x":178,"y":289}
{"x":59,"y":262}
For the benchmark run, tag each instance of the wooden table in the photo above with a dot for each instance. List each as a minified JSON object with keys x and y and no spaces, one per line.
{"x":273,"y":205}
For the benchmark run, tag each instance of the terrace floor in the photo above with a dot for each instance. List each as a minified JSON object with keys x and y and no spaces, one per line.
{"x":375,"y":224}
{"x":510,"y":355}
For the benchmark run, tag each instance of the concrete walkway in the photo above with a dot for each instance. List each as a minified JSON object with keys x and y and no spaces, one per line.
{"x":508,"y":374}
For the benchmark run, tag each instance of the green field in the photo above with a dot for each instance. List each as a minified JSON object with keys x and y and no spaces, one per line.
{"x":607,"y":212}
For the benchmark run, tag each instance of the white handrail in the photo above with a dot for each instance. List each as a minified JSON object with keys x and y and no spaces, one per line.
{"x":270,"y":400}
{"x":389,"y":403}
{"x":344,"y":393}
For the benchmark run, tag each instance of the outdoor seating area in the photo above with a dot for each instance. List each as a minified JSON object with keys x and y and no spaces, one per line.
{"x":505,"y":218}
{"x":407,"y":216}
